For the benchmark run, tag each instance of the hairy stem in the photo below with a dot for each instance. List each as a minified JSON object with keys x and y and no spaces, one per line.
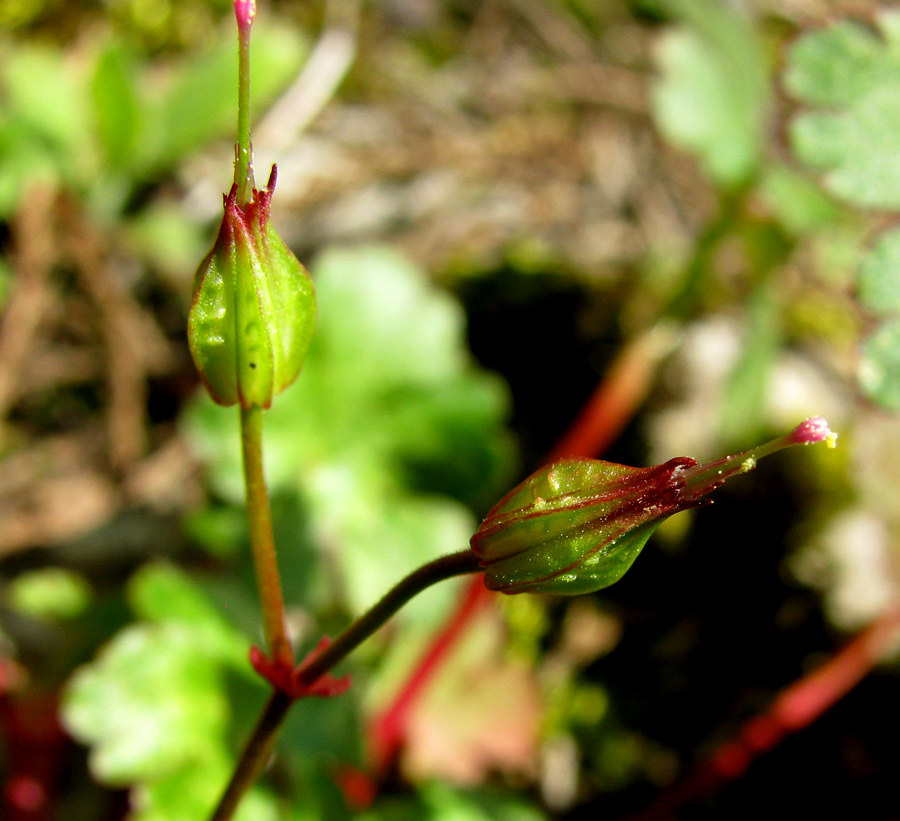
{"x":259,"y":746}
{"x":262,"y":540}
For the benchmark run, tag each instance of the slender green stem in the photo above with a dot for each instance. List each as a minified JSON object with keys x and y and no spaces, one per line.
{"x":262,"y":540}
{"x":259,"y":746}
{"x":243,"y":159}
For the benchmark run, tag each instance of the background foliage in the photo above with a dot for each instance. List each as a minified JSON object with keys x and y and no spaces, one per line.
{"x":496,"y":199}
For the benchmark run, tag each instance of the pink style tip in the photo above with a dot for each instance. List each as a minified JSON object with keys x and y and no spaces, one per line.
{"x":814,"y":429}
{"x":244,"y":11}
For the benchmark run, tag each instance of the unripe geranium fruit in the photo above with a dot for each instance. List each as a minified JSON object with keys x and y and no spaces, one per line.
{"x":254,"y":307}
{"x":577,"y":525}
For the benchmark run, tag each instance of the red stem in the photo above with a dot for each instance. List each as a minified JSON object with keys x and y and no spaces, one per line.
{"x":35,"y":744}
{"x":388,"y":730}
{"x":617,"y":397}
{"x":797,"y":706}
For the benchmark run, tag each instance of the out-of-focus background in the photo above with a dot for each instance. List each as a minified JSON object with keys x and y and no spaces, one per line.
{"x":673,"y":220}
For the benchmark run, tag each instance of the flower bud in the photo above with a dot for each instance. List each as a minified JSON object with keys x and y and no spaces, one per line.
{"x":254,"y":308}
{"x":577,"y":525}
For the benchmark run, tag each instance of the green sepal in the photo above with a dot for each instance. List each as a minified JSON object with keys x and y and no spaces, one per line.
{"x":253,"y":314}
{"x":596,"y":569}
{"x":577,"y":525}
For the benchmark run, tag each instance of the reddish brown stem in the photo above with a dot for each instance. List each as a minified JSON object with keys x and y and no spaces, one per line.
{"x":261,"y":742}
{"x":599,"y":422}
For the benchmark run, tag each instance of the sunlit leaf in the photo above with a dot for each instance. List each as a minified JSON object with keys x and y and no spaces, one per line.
{"x":149,"y":705}
{"x":51,"y":592}
{"x":852,"y":73}
{"x":482,"y":715}
{"x":152,"y":706}
{"x":712,"y":96}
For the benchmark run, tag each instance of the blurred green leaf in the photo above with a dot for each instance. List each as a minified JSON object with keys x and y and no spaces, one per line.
{"x":51,"y":592}
{"x":797,"y":203}
{"x":879,"y":369}
{"x":166,"y":238}
{"x":745,"y":391}
{"x":42,"y":123}
{"x":220,"y":530}
{"x":200,"y":103}
{"x":44,"y":95}
{"x":26,"y":163}
{"x":879,"y":275}
{"x":387,"y":393}
{"x":449,"y":804}
{"x":6,"y":277}
{"x":149,"y":705}
{"x":116,"y":105}
{"x":845,"y":62}
{"x":164,"y":594}
{"x":441,"y":802}
{"x":152,"y":706}
{"x":190,"y":794}
{"x":712,"y":97}
{"x":854,"y":73}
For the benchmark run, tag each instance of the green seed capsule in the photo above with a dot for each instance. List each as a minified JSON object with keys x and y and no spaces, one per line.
{"x":577,"y":525}
{"x":254,"y":308}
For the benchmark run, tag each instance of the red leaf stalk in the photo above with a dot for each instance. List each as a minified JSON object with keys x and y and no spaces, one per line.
{"x":797,"y":706}
{"x":388,"y":730}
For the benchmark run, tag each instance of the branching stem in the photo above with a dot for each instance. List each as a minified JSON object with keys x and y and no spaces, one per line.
{"x":259,"y":746}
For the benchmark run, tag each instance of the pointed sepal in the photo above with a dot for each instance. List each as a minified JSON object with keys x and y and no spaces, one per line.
{"x":254,"y":308}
